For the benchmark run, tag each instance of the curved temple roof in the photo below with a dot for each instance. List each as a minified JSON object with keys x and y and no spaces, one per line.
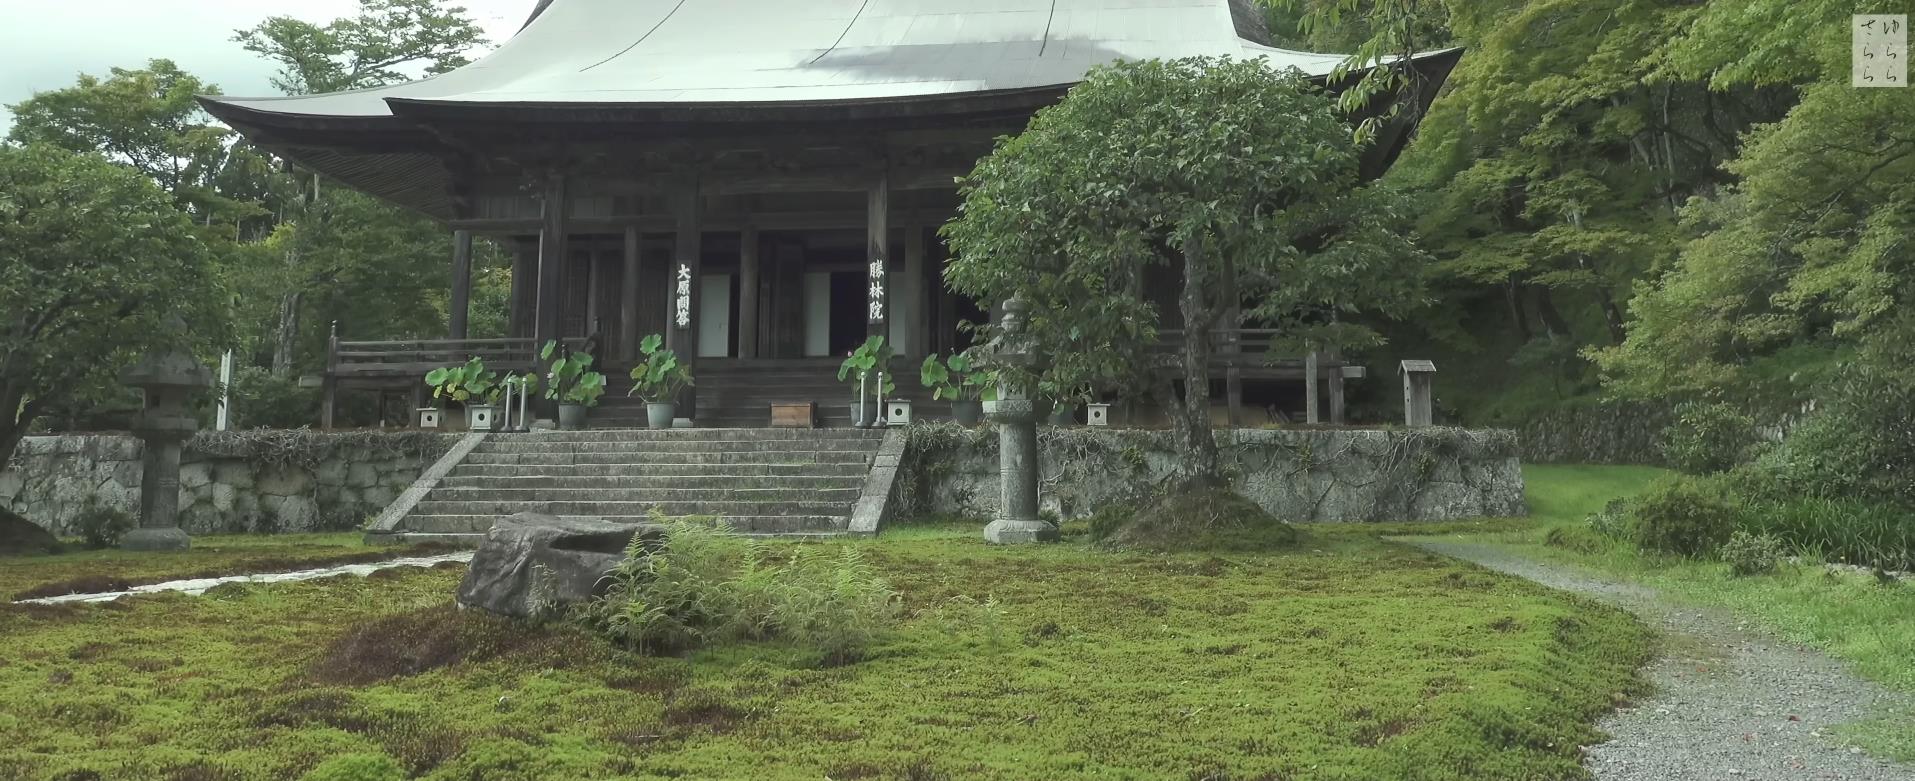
{"x":730,"y":52}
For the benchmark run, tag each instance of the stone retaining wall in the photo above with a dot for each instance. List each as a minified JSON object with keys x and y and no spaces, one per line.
{"x":1340,"y":475}
{"x":265,"y":481}
{"x":1618,"y":433}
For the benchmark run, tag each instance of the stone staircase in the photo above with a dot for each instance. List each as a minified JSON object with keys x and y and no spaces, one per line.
{"x":785,"y":482}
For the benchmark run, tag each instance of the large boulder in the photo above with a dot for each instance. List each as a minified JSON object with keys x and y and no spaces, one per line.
{"x":532,"y":563}
{"x":19,"y":536}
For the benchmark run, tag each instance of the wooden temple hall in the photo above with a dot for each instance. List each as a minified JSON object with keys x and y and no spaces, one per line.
{"x":760,"y":181}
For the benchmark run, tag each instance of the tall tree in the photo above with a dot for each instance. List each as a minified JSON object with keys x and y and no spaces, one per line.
{"x":375,"y":47}
{"x":1235,"y":178}
{"x":93,"y":258}
{"x":147,"y":119}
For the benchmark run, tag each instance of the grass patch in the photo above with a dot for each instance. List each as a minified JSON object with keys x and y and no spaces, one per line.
{"x":1344,"y":658}
{"x":1852,"y":617}
{"x":212,"y":556}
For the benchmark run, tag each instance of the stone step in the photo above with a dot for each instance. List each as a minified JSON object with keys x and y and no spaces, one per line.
{"x":525,"y":446}
{"x":662,"y":470}
{"x":640,"y":459}
{"x":519,"y":480}
{"x":689,"y":434}
{"x":438,"y":526}
{"x":616,"y":509}
{"x":845,"y":496}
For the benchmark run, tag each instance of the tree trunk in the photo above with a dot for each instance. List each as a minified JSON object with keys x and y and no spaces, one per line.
{"x":1613,"y":315}
{"x":1552,"y":319}
{"x":14,"y":425}
{"x":288,"y":336}
{"x":1190,"y":420}
{"x":1512,"y":292}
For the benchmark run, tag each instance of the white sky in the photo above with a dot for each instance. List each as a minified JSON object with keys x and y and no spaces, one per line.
{"x":46,"y":44}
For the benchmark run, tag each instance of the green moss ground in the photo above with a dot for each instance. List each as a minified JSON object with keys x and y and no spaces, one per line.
{"x":111,"y":570}
{"x":1853,"y":618}
{"x":1345,"y":658}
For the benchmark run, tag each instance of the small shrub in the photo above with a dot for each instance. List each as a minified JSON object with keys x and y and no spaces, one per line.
{"x":102,"y":525}
{"x":357,"y":767}
{"x":1708,"y":437}
{"x":1581,"y":539}
{"x":1612,"y":521}
{"x":1684,"y":516}
{"x":1752,"y":554}
{"x":1197,"y":520}
{"x":262,"y":399}
{"x":705,"y":585}
{"x":1862,"y":532}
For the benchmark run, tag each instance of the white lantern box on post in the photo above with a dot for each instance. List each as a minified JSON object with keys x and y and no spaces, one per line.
{"x":1097,"y":414}
{"x":429,"y":417}
{"x":897,"y":412}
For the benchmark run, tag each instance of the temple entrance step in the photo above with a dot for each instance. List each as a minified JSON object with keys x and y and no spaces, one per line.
{"x":780,"y":482}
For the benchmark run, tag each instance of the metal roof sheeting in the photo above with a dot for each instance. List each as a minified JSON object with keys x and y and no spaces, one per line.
{"x":692,"y":52}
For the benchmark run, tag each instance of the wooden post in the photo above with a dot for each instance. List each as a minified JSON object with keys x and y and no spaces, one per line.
{"x":1335,"y":381}
{"x":553,"y":256}
{"x":1310,"y":414}
{"x":628,"y":298}
{"x":329,"y":384}
{"x":461,"y":303}
{"x":525,"y":286}
{"x":914,"y":296}
{"x":748,"y":293}
{"x":878,"y":237}
{"x":687,"y":262}
{"x":1418,"y":377}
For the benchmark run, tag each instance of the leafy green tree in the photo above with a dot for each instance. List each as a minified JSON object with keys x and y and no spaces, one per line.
{"x":375,"y":47}
{"x":148,"y":120}
{"x":372,"y":48}
{"x":1237,"y":179}
{"x":93,"y":259}
{"x":1807,"y":251}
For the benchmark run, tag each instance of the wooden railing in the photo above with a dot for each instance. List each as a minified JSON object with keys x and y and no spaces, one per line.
{"x":1240,"y":353}
{"x":402,"y":365}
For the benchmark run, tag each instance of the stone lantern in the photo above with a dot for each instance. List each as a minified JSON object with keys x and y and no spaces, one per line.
{"x":1015,"y":413}
{"x":167,"y":381}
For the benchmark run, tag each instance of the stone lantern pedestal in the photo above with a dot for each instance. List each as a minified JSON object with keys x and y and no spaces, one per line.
{"x":167,"y":380}
{"x":1015,"y":414}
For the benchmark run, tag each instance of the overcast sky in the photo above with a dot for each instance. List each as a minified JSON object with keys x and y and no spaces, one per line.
{"x":45,"y":44}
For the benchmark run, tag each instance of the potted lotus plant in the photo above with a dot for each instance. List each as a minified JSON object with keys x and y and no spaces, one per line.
{"x":572,"y":383}
{"x":865,"y":369}
{"x":659,"y":380}
{"x":473,"y":386}
{"x":958,"y":381}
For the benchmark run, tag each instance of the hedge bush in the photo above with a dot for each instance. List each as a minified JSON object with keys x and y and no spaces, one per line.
{"x":1684,"y":516}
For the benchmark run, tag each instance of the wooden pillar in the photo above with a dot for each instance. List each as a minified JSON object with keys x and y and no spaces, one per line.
{"x":594,"y":282}
{"x":553,"y":255}
{"x":628,"y":335}
{"x":1310,"y":389}
{"x":525,"y":285}
{"x":877,"y":239}
{"x":687,"y":262}
{"x":914,"y":292}
{"x":748,"y":246}
{"x":461,"y":304}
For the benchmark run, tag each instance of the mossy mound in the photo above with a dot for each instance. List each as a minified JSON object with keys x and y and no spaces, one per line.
{"x":1201,"y":519}
{"x":21,"y":537}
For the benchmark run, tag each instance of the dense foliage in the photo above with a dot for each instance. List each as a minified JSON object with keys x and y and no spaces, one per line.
{"x":96,"y":267}
{"x":1159,"y":196}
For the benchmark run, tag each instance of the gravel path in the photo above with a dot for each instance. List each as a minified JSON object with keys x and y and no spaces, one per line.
{"x":198,"y":586}
{"x":1730,"y":702}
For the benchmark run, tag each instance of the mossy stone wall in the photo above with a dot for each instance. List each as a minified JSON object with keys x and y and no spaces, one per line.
{"x":258,"y":481}
{"x":1327,"y":475}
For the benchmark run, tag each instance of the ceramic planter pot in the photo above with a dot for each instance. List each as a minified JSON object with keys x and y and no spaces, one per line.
{"x":660,"y":414}
{"x":864,"y":414}
{"x":572,"y":417}
{"x":967,"y":413}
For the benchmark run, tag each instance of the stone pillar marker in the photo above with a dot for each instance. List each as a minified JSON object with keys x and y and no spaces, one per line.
{"x":167,"y":379}
{"x":1015,"y":413}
